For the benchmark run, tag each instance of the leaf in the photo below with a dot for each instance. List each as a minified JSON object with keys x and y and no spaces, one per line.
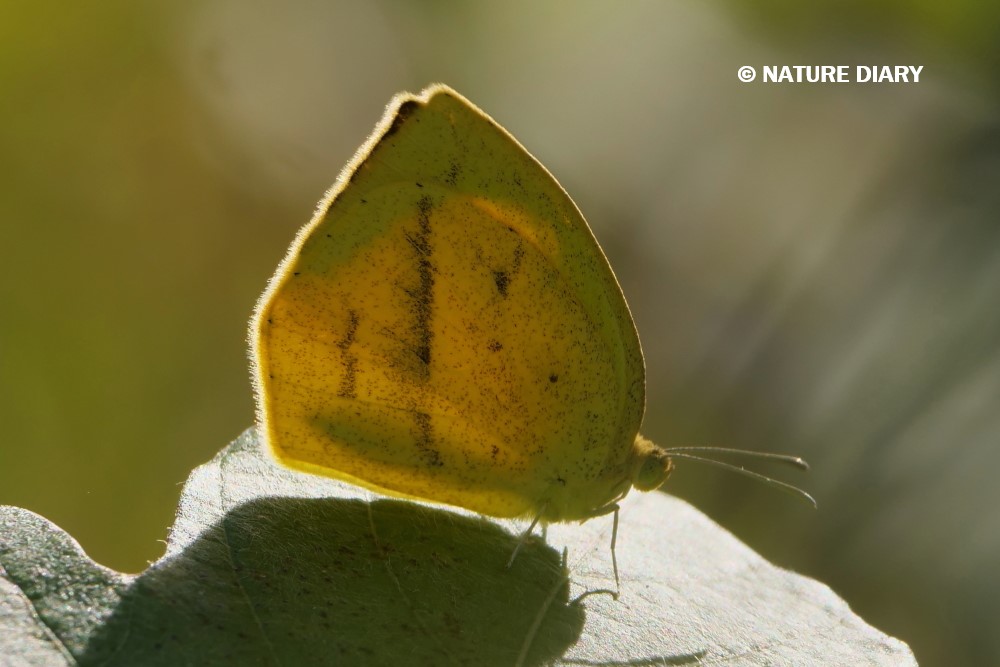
{"x":266,"y":566}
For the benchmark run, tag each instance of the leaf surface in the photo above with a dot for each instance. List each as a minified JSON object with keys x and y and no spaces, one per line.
{"x":266,"y":566}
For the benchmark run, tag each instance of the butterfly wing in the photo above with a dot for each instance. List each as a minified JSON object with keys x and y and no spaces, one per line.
{"x":447,"y":328}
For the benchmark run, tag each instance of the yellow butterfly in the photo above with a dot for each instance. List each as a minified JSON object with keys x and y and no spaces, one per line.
{"x":447,"y":328}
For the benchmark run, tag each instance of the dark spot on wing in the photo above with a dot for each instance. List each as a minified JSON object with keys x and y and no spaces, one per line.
{"x":553,"y":378}
{"x":495,"y":346}
{"x":352,"y":331}
{"x":425,"y":440}
{"x":406,"y":109}
{"x":451,"y":178}
{"x":503,"y":277}
{"x":348,"y":383}
{"x":518,"y":256}
{"x":501,"y":280}
{"x":423,"y":296}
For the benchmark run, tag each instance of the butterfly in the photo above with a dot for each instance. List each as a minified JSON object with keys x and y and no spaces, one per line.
{"x":447,"y":328}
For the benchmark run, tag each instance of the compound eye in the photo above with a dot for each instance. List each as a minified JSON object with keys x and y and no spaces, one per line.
{"x":654,"y":470}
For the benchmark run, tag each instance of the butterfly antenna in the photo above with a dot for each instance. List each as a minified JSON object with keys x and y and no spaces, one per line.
{"x":685,"y":453}
{"x":796,"y":461}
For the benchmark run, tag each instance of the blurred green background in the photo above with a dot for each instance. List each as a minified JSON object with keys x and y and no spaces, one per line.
{"x":812,"y":268}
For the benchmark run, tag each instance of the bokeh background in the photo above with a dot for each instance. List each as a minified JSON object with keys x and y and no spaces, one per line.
{"x":812,"y":268}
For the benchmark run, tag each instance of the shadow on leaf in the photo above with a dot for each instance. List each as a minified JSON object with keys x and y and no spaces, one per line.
{"x":328,"y":581}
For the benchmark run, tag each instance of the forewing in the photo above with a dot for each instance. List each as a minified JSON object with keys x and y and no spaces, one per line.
{"x":446,"y":327}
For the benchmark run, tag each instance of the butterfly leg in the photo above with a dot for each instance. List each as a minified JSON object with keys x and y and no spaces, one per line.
{"x":525,"y":535}
{"x":610,"y":508}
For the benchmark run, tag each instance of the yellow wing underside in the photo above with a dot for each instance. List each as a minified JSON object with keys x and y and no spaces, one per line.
{"x":448,"y":329}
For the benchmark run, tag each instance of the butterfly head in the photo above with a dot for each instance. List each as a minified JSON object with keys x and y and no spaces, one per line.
{"x":651,"y":465}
